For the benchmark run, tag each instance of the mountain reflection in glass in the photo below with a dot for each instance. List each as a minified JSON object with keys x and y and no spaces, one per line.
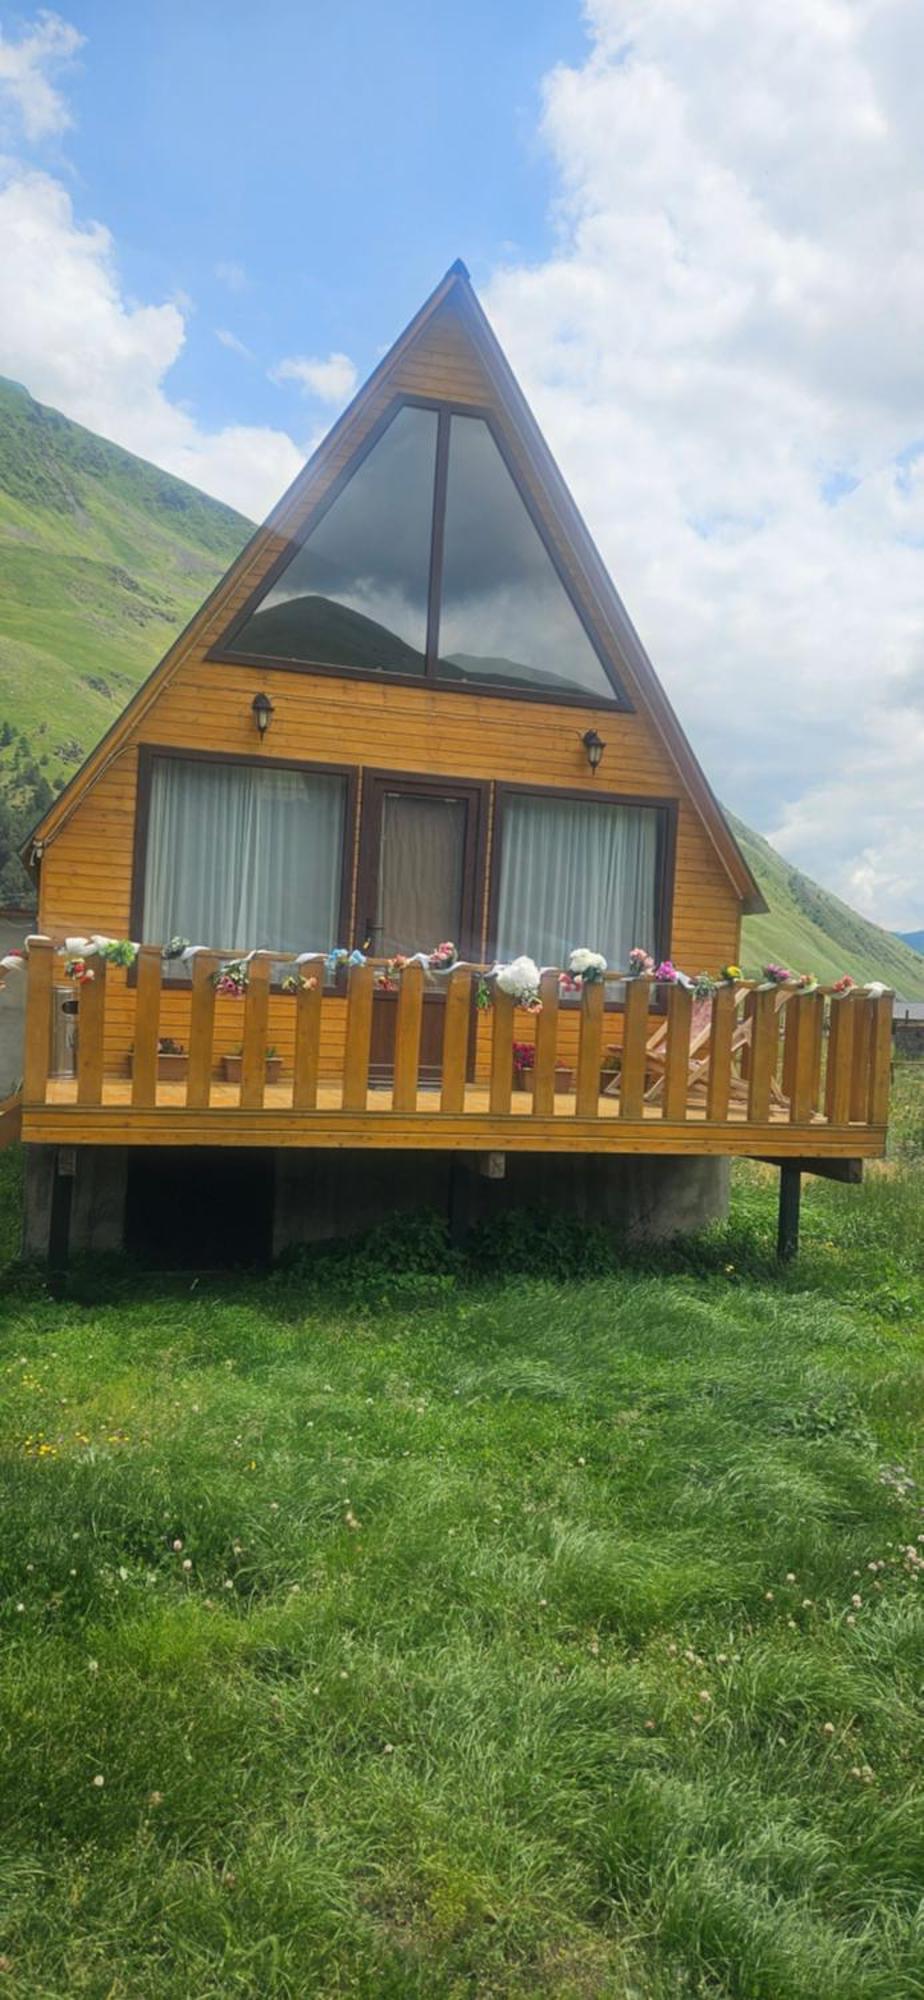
{"x":505,"y":616}
{"x":355,"y":593}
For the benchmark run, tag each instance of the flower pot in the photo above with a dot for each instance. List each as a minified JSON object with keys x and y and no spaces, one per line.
{"x":524,"y":1079}
{"x":170,"y":1068}
{"x":231,"y":1067}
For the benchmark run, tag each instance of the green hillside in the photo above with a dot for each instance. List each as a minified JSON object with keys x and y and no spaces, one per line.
{"x":813,"y":931}
{"x":103,"y":558}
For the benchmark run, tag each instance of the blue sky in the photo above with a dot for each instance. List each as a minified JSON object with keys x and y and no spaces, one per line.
{"x":333,"y":160}
{"x":696,"y":229}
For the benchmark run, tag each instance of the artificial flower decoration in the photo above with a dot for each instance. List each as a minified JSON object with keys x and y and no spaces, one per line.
{"x":777,"y":975}
{"x":520,"y":979}
{"x":844,"y":985}
{"x":666,"y":972}
{"x":588,"y":966}
{"x":704,"y":986}
{"x":641,"y":963}
{"x":731,"y":974}
{"x":116,"y":951}
{"x":177,"y":948}
{"x":78,"y":970}
{"x":12,"y":961}
{"x":296,"y":982}
{"x":232,"y":979}
{"x":875,"y":988}
{"x":524,"y":1055}
{"x":442,"y":957}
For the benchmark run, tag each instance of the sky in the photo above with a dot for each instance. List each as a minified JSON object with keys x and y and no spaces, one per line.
{"x":698,"y":229}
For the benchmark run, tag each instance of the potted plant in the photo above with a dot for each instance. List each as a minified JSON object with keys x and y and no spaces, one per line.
{"x":172,"y":1060}
{"x":524,"y":1064}
{"x":231,"y":1065}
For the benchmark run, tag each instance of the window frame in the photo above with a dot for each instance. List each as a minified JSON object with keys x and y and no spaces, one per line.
{"x":147,"y":755}
{"x":223,"y":648}
{"x":665,"y":859}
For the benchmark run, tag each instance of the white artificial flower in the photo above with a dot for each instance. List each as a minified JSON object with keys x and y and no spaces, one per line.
{"x":876,"y":989}
{"x":520,"y":978}
{"x":583,"y":961}
{"x":11,"y":963}
{"x":77,"y":946}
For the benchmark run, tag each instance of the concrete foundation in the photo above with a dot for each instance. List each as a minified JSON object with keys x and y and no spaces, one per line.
{"x":98,"y":1201}
{"x":642,"y":1198}
{"x":320,"y":1195}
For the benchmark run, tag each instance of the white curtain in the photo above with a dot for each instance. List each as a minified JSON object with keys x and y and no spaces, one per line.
{"x":239,"y":856}
{"x":576,"y":873}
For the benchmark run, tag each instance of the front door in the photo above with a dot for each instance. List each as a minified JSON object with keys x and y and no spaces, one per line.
{"x":419,"y":885}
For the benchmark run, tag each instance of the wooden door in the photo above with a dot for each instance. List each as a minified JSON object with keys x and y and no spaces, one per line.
{"x":420,"y":883}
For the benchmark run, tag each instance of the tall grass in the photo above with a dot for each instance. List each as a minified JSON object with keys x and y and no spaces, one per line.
{"x":443,"y":1632}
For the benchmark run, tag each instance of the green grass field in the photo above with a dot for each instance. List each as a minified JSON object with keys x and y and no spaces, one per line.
{"x":397,"y":1627}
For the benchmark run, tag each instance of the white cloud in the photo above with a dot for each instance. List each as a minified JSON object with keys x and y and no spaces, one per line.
{"x":68,"y":332}
{"x":233,"y":275}
{"x":234,"y":346}
{"x":332,"y":381}
{"x":25,"y":84}
{"x":724,"y":351}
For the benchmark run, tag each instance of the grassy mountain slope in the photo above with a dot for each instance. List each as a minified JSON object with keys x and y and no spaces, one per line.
{"x":103,"y":558}
{"x":814,"y":931}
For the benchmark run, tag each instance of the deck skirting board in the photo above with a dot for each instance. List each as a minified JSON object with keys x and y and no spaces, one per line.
{"x":118,"y":1125}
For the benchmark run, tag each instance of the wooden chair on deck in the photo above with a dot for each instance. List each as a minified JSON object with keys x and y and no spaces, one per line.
{"x":656,"y":1048}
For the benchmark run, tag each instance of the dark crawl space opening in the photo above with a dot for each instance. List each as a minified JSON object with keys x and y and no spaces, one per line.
{"x":200,"y":1208}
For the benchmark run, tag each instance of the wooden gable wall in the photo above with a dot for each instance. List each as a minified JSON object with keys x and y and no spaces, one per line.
{"x":86,"y":876}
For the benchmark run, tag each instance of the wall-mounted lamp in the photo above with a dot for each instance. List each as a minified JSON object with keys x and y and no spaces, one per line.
{"x":261,"y":709}
{"x":594,"y":746}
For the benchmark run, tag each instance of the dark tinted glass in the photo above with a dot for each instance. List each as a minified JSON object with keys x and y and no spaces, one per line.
{"x":506,"y":617}
{"x":355,"y":593}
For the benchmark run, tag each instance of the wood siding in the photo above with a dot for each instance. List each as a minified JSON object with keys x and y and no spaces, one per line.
{"x":86,"y":875}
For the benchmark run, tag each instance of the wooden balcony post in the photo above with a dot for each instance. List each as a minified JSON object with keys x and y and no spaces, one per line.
{"x":201,"y":1032}
{"x":721,"y":1036}
{"x":880,"y":1068}
{"x":40,"y":965}
{"x":861,"y":1059}
{"x":308,"y":1004}
{"x":407,"y":1039}
{"x":802,"y":1059}
{"x":633,"y":1075}
{"x":456,"y":1029}
{"x":502,"y":1014}
{"x":590,"y":1050}
{"x":256,"y":1023}
{"x":546,"y":1047}
{"x":358,"y":1037}
{"x":147,"y":1024}
{"x":91,"y":1028}
{"x":765,"y":1039}
{"x":677,"y":1060}
{"x":840,"y":1054}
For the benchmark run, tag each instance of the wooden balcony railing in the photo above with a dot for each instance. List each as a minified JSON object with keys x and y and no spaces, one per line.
{"x":812,"y":1064}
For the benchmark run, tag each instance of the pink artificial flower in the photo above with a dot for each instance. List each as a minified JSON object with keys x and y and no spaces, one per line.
{"x":844,"y":985}
{"x":667,"y":972}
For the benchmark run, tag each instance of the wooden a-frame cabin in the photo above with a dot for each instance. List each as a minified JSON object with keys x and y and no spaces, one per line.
{"x":413,"y":711}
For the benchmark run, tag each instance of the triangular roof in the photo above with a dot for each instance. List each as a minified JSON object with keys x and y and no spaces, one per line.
{"x":630,"y":670}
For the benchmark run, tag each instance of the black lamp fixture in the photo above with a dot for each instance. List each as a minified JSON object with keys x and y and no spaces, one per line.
{"x":594,"y":746}
{"x":261,"y":709}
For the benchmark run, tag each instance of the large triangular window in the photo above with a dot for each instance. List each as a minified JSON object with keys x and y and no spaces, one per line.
{"x":427,"y":563}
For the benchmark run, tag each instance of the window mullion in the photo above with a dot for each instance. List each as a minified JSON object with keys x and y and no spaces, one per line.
{"x":436,"y":543}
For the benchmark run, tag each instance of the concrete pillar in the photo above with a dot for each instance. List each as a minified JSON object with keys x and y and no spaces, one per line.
{"x":98,"y":1211}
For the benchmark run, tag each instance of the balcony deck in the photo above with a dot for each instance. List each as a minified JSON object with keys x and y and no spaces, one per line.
{"x":791,"y":1077}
